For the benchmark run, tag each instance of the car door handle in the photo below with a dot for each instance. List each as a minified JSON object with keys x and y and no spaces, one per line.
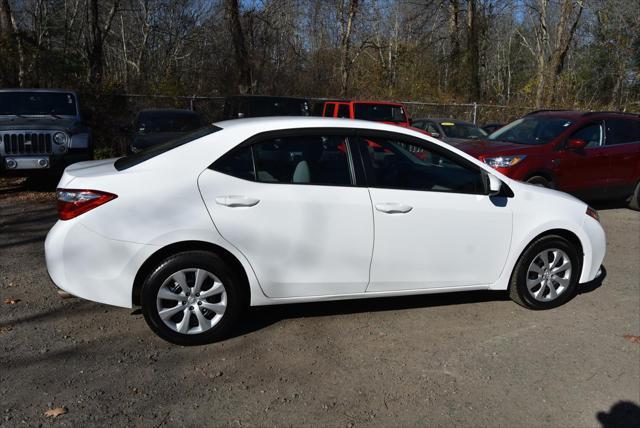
{"x":236,"y":201}
{"x":393,"y":208}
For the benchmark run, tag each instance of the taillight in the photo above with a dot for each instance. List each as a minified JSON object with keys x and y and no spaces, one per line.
{"x":73,"y":202}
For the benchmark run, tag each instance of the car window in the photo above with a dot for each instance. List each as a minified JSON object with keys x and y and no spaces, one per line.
{"x":303,"y":160}
{"x":237,"y":163}
{"x":379,"y":112}
{"x":532,"y":130}
{"x":398,"y":164}
{"x":329,"y":109}
{"x":591,"y":133}
{"x":343,"y":111}
{"x":621,"y":131}
{"x":431,"y":128}
{"x":462,"y":130}
{"x":167,"y":121}
{"x":418,"y":124}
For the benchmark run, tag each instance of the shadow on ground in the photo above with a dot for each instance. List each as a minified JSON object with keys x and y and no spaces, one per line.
{"x":261,"y":317}
{"x":623,"y":414}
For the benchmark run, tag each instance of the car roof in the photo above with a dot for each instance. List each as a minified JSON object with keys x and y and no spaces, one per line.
{"x":576,"y":115}
{"x":390,"y":103}
{"x":273,"y":123}
{"x":62,"y":91}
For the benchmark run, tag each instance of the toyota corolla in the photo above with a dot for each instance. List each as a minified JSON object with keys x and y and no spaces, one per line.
{"x":287,"y":210}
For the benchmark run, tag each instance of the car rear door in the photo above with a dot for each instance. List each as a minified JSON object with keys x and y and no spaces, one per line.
{"x":289,"y":203}
{"x":434,"y":225}
{"x":622,"y":149}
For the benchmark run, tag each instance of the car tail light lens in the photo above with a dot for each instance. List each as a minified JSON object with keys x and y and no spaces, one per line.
{"x":593,"y":214}
{"x":73,"y":202}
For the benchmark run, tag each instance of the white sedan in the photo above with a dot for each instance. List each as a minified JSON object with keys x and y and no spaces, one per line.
{"x":287,"y":210}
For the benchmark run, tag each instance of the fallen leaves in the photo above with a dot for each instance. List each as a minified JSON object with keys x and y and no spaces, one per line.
{"x":631,"y":338}
{"x":11,"y":301}
{"x":5,"y":329}
{"x":55,"y":412}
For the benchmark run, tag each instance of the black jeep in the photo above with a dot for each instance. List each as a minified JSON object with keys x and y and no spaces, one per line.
{"x":41,"y":132}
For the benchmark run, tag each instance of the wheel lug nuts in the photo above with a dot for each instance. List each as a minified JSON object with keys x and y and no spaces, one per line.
{"x":190,"y":308}
{"x":199,"y":303}
{"x":197,"y":294}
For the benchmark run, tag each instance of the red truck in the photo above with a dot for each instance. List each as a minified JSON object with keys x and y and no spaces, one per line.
{"x":377,"y":111}
{"x":594,"y":155}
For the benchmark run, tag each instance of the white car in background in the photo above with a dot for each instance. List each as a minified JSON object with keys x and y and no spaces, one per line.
{"x":287,"y":210}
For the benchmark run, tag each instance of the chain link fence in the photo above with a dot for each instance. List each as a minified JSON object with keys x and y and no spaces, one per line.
{"x":111,"y":115}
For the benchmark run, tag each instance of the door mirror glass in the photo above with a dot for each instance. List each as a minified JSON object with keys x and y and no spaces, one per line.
{"x":435,"y":134}
{"x":576,"y":144}
{"x":495,"y":184}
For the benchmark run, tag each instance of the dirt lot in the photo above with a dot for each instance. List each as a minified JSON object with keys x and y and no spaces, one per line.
{"x":456,"y":359}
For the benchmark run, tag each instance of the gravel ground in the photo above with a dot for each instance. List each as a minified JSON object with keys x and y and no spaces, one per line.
{"x":473,"y":359}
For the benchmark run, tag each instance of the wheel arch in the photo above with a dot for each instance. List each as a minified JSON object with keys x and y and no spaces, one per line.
{"x":182,"y":246}
{"x":544,"y":173}
{"x":564,"y":233}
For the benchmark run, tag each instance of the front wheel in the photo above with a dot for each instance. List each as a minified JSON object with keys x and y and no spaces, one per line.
{"x":546,"y":276}
{"x":191,"y":298}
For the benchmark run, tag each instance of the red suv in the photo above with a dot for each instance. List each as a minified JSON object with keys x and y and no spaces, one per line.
{"x":593,"y":155}
{"x":377,"y":111}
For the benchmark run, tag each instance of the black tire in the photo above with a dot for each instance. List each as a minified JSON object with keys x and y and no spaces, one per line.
{"x":211,"y":262}
{"x":518,"y":290}
{"x":634,"y":202}
{"x":538,"y":180}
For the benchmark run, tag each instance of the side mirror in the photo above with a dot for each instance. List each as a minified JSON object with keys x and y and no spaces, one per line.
{"x":435,"y":134}
{"x":576,"y":144}
{"x":495,"y":185}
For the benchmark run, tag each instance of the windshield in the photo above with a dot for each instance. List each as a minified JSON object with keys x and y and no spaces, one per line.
{"x":167,"y":121}
{"x":462,"y":130}
{"x":379,"y":112}
{"x":158,"y":149}
{"x":38,"y":103}
{"x":531,"y":130}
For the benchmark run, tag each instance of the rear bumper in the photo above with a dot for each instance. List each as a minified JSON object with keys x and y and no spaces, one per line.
{"x":88,"y":265}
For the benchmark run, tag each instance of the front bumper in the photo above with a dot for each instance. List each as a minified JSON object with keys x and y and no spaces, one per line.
{"x":593,"y":256}
{"x":88,"y":265}
{"x":26,"y":165}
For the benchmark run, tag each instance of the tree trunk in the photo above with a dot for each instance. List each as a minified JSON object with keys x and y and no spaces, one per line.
{"x":345,"y":45}
{"x":245,"y":84}
{"x":473,"y":51}
{"x":454,"y":38}
{"x":9,"y":70}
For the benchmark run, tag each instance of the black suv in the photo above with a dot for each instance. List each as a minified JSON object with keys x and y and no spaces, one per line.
{"x":41,"y":131}
{"x":240,"y":106}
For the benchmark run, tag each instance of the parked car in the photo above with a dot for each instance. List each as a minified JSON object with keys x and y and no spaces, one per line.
{"x":449,"y":130}
{"x":490,"y":128}
{"x":156,"y":126}
{"x":285,"y":210}
{"x":41,"y":132}
{"x":243,"y":106}
{"x":594,"y":155}
{"x":377,"y":111}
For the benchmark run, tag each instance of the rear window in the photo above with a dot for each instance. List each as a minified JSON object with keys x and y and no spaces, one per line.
{"x":153,"y":151}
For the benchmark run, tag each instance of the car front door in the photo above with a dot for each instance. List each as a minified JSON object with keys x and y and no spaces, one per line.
{"x":289,"y":203}
{"x":584,"y":171}
{"x":435,"y":227}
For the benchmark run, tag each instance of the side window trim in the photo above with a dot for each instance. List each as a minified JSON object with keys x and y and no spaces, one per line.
{"x":407,"y":139}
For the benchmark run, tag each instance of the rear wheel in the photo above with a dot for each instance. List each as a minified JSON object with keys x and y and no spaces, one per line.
{"x":634,"y":203}
{"x":546,"y":276}
{"x":538,"y":180}
{"x":191,"y":298}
